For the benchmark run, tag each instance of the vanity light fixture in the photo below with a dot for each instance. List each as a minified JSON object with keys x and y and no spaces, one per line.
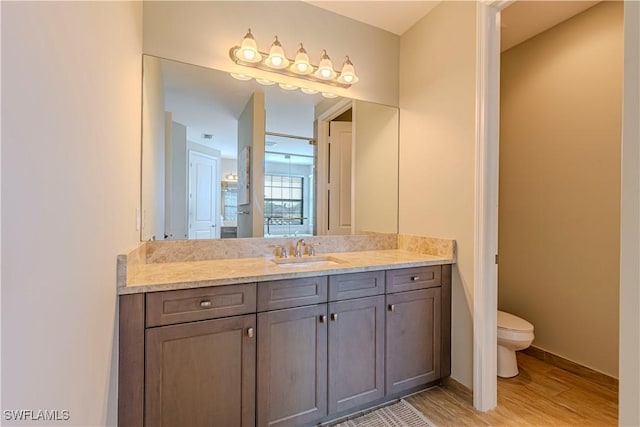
{"x":276,"y":61}
{"x":231,"y":177}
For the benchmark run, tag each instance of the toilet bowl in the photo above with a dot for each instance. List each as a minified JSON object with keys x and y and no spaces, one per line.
{"x":514,"y":334}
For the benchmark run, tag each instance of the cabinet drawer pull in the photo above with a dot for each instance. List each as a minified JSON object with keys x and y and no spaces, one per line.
{"x":250,"y":332}
{"x":415,"y":278}
{"x":205,"y":304}
{"x":391,"y":307}
{"x":323,"y":319}
{"x":334,"y":317}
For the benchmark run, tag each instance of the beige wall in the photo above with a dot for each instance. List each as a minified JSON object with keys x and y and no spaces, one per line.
{"x":437,"y":150}
{"x":375,"y":169}
{"x":71,"y":85}
{"x":202,"y":33}
{"x":559,"y":202}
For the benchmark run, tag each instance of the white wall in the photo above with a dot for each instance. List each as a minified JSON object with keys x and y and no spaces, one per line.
{"x":70,"y":171}
{"x":153,"y":145}
{"x":202,"y":33}
{"x":437,"y":148}
{"x":179,"y":181}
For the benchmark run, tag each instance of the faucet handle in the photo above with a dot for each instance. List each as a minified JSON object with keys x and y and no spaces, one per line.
{"x":312,"y":248}
{"x":281,"y":251}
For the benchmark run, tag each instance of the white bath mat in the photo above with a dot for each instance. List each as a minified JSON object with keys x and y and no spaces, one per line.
{"x":401,"y":414}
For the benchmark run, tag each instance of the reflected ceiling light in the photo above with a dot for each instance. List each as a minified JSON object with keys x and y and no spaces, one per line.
{"x":308,"y":91}
{"x":248,"y":49}
{"x":287,"y":86}
{"x":275,"y":61}
{"x":265,"y":82}
{"x":240,"y":76}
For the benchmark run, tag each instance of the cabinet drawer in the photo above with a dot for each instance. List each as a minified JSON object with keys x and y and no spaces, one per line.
{"x":409,"y":279}
{"x":356,"y":285}
{"x":170,"y":307}
{"x":289,"y":293}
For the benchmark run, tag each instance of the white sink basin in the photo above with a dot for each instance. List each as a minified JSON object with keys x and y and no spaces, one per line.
{"x":308,"y":261}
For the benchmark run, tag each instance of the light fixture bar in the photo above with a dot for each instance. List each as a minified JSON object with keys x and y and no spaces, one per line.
{"x":285,"y":71}
{"x":276,"y":61}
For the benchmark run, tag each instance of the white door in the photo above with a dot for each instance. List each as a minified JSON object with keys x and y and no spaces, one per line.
{"x":339,"y":181}
{"x":203,"y":174}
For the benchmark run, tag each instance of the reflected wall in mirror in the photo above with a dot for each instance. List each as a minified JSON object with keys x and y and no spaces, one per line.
{"x":308,"y":165}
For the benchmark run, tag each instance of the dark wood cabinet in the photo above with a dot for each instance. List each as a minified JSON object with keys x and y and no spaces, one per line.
{"x":413,"y":339}
{"x":356,"y":352}
{"x":201,"y":373}
{"x":292,"y":366}
{"x":282,"y":353}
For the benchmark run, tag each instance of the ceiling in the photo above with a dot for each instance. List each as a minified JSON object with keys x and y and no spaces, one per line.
{"x":525,"y":19}
{"x":520,"y":21}
{"x":394,"y":16}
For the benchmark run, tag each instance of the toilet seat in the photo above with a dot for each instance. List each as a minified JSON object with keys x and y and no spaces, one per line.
{"x":509,"y":322}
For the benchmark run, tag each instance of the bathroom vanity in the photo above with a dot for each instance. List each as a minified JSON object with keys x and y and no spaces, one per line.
{"x":259,"y":341}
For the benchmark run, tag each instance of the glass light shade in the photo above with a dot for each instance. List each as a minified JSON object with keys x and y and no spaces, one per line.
{"x":240,"y":76}
{"x":308,"y":91}
{"x":265,"y":82}
{"x":287,"y":86}
{"x":325,"y":69}
{"x":248,"y":50}
{"x":348,"y":73}
{"x":276,"y":59}
{"x":329,"y":95}
{"x":301,"y":64}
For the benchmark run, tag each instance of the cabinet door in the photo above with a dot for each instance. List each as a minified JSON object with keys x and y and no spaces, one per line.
{"x":413,"y":339}
{"x":201,"y":373}
{"x":292,"y":366}
{"x":356,"y":352}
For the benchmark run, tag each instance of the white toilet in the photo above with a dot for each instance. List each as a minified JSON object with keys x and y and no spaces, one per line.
{"x":514,"y":334}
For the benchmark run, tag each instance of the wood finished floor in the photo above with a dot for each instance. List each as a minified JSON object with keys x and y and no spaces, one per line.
{"x":541,"y":395}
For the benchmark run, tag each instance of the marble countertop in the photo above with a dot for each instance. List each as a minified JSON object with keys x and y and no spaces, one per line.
{"x":156,"y":277}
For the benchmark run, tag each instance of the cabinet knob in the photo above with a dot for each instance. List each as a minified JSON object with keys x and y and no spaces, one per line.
{"x":250,"y":332}
{"x":334,"y":317}
{"x":205,"y":304}
{"x":391,"y":307}
{"x":415,"y":278}
{"x":323,"y":319}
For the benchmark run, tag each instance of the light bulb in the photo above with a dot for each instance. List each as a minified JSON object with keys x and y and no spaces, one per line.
{"x":348,"y":73}
{"x":276,"y":58}
{"x":308,"y":91}
{"x":301,"y":64}
{"x":248,"y":50}
{"x":325,"y":68}
{"x":329,"y":95}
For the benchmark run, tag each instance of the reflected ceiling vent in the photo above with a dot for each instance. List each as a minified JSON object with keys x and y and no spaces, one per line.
{"x":270,"y":144}
{"x":207,"y":136}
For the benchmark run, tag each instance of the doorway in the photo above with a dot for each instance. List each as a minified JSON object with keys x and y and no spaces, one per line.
{"x":203,"y":196}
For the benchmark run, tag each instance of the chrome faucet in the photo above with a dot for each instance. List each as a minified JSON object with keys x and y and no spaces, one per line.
{"x":298,"y":251}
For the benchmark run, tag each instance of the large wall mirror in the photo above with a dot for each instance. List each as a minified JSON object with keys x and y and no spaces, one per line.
{"x":224,"y":158}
